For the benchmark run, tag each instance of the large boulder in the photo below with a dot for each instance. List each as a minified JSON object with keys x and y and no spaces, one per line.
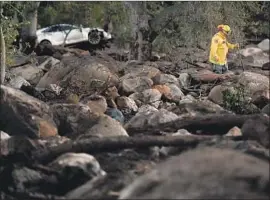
{"x":30,"y":73}
{"x":216,"y":93}
{"x":81,"y":75}
{"x":254,"y":82}
{"x":257,"y":128}
{"x":150,"y":116}
{"x":74,"y":120}
{"x":254,"y":56}
{"x":76,"y":168}
{"x":204,"y":173}
{"x":21,"y":114}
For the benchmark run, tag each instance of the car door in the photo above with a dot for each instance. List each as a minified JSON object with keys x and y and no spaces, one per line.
{"x":72,"y":34}
{"x":55,"y":35}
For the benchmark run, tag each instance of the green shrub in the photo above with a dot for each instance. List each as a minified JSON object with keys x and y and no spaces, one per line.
{"x":238,"y":101}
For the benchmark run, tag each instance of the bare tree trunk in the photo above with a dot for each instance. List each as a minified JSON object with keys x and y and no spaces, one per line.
{"x":29,"y":33}
{"x":3,"y":48}
{"x":140,"y":46}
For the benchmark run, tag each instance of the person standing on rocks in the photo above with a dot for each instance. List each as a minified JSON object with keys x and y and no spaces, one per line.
{"x":219,"y":49}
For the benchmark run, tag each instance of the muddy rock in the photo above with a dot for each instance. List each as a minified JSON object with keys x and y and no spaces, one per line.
{"x":74,"y":120}
{"x":257,"y":129}
{"x":22,"y":114}
{"x":135,"y":84}
{"x":177,"y":178}
{"x":96,"y":103}
{"x":147,"y":96}
{"x":126,"y":102}
{"x":149,"y":116}
{"x":206,"y":76}
{"x":164,"y":90}
{"x":161,"y":79}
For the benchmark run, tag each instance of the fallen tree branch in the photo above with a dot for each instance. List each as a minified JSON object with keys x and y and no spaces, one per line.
{"x":115,"y":143}
{"x":209,"y":124}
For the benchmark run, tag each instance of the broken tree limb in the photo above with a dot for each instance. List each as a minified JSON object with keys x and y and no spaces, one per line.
{"x":116,"y":143}
{"x":208,"y":124}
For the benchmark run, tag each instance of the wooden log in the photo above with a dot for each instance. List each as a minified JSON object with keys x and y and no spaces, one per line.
{"x":115,"y":143}
{"x":209,"y":124}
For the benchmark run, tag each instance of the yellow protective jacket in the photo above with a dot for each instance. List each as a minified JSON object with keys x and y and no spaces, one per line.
{"x":219,"y":49}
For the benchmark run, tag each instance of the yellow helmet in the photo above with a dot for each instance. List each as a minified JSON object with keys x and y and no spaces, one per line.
{"x":225,"y":28}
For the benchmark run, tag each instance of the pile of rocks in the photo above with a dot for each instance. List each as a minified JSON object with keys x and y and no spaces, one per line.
{"x":47,"y":102}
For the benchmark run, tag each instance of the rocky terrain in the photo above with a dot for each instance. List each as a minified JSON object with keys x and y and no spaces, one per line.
{"x":81,"y":126}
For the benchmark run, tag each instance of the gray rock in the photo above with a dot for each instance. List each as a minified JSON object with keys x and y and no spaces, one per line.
{"x":147,"y":96}
{"x":136,"y":84}
{"x":220,"y":173}
{"x":30,"y":73}
{"x":75,"y":120}
{"x":257,"y":129}
{"x":126,"y":102}
{"x":161,"y":79}
{"x":17,"y":82}
{"x":47,"y":64}
{"x":76,"y":162}
{"x":184,"y":80}
{"x":25,"y":115}
{"x":266,"y":109}
{"x":4,"y":136}
{"x":264,"y":45}
{"x":150,"y":116}
{"x":176,"y":93}
{"x":216,"y":93}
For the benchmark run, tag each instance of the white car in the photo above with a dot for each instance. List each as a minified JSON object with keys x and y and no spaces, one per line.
{"x":56,"y":35}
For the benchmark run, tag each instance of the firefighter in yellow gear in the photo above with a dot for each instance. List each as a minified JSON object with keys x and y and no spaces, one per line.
{"x":219,"y":49}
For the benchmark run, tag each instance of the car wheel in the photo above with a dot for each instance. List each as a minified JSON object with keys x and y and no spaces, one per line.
{"x":94,"y":38}
{"x":45,"y":42}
